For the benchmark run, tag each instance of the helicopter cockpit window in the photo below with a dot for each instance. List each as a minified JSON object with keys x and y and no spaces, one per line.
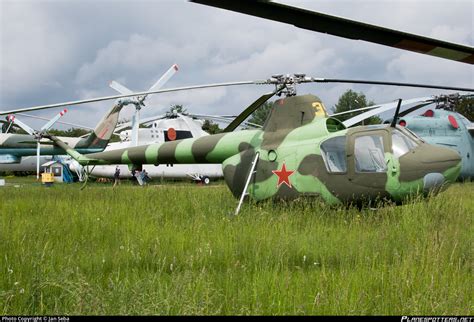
{"x":411,"y":134}
{"x":334,"y":154}
{"x":369,"y":154}
{"x":401,"y":143}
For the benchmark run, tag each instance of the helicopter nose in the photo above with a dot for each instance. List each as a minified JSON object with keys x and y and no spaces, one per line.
{"x":436,"y":165}
{"x":448,"y":163}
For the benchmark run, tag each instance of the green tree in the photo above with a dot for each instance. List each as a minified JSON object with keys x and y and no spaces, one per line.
{"x":260,"y":115}
{"x":211,"y":127}
{"x":351,"y":100}
{"x":466,"y":108}
{"x":71,"y":132}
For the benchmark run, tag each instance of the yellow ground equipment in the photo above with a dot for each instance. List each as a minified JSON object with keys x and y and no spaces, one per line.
{"x":47,"y":178}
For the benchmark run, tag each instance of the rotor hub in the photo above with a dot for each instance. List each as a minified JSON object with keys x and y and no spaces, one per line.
{"x":286,"y":84}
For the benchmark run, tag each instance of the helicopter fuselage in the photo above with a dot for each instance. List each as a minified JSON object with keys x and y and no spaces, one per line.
{"x":304,"y":153}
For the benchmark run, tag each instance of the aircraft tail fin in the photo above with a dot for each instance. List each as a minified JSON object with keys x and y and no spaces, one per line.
{"x":104,"y":130}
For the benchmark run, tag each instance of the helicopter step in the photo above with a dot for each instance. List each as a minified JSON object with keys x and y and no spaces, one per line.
{"x":251,"y":174}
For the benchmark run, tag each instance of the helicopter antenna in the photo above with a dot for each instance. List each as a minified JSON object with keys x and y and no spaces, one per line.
{"x":395,"y":117}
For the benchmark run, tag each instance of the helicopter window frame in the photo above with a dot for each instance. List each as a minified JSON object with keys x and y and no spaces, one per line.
{"x":402,"y":143}
{"x":375,"y":156}
{"x":411,"y":134}
{"x":333,"y":166}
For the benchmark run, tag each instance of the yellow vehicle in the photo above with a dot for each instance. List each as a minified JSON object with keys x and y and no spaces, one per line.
{"x":47,"y":178}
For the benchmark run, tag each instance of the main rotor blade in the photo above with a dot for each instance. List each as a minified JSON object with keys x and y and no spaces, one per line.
{"x":414,"y":108}
{"x":195,"y":130}
{"x":346,"y":28}
{"x":135,"y":127}
{"x":249,"y":110}
{"x":10,"y":125}
{"x":22,"y":125}
{"x":163,"y":79}
{"x":120,"y":88}
{"x":59,"y":122}
{"x":106,"y":98}
{"x":383,"y":108}
{"x":142,"y":121}
{"x":355,"y":110}
{"x":225,"y":119}
{"x":48,"y":125}
{"x":368,"y":82}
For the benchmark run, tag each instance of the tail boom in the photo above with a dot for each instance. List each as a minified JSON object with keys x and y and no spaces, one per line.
{"x":207,"y":149}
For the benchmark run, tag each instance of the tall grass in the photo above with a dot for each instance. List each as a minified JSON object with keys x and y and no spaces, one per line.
{"x":176,"y":250}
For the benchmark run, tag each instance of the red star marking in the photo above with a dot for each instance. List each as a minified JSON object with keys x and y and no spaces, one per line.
{"x":283,"y":176}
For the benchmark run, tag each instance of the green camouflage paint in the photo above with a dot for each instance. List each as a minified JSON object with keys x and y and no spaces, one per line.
{"x":291,"y":164}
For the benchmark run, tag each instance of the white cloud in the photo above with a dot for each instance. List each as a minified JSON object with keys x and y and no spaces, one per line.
{"x":33,"y":52}
{"x":56,"y":51}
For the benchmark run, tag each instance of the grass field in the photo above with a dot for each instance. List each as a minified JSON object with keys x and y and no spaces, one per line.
{"x":175,"y":250}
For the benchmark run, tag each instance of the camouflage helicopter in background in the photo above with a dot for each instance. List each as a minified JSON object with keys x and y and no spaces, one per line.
{"x":440,"y":125}
{"x":443,"y":126}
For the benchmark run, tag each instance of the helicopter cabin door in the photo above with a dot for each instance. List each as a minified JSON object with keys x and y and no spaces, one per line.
{"x":367,"y":168}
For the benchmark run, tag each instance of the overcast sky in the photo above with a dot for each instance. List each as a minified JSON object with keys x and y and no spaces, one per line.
{"x":55,"y":51}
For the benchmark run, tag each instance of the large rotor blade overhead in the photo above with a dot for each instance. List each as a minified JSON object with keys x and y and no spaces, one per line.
{"x":346,"y":28}
{"x":283,"y":83}
{"x":249,"y":110}
{"x":112,"y":97}
{"x":385,"y":83}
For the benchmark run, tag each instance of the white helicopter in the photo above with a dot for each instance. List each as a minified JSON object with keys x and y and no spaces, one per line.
{"x":166,"y":127}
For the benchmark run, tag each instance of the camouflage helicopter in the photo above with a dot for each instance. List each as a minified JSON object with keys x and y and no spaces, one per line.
{"x":301,"y":150}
